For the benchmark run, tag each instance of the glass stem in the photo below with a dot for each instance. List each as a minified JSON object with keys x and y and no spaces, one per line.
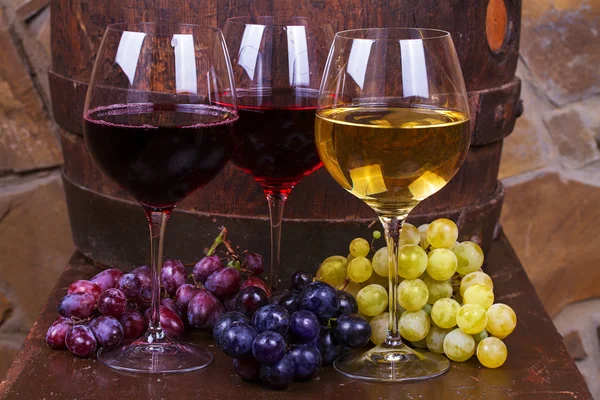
{"x":157,"y":220}
{"x":276,"y":203}
{"x":392,"y":226}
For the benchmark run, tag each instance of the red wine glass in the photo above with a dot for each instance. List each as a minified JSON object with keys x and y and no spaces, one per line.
{"x":277,"y":65}
{"x":158,"y":120}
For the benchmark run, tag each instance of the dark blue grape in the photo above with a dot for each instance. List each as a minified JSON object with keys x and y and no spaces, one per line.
{"x":271,"y":318}
{"x":225,"y":321}
{"x":348,"y":304}
{"x":352,"y":330}
{"x":107,"y":331}
{"x":329,"y":346}
{"x":278,"y":375}
{"x":307,"y":361}
{"x":304,"y":326}
{"x":248,"y":369}
{"x":268,"y":347}
{"x":236,"y":340}
{"x":205,"y":267}
{"x":319,"y":298}
{"x":250,"y":299}
{"x":289,"y":301}
{"x":300,"y":279}
{"x":275,"y":297}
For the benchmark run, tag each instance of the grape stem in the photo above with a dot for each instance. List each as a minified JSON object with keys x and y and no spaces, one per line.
{"x":344,"y":284}
{"x":218,"y":240}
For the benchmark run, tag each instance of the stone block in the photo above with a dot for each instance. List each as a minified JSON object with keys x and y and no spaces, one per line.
{"x":559,"y":43}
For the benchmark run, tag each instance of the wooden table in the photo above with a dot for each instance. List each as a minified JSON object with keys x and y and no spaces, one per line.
{"x":538,"y":365}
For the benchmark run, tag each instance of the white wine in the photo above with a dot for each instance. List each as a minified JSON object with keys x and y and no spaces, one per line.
{"x":392,"y":158}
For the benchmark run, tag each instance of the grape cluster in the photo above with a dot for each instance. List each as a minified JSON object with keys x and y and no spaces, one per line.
{"x":287,"y":336}
{"x":446,"y":300}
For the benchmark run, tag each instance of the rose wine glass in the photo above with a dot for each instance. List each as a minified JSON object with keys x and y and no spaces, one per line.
{"x":392,"y":128}
{"x":158,"y":120}
{"x":277,"y":65}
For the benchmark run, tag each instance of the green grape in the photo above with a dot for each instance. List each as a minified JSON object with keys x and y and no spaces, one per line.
{"x":419,"y":344}
{"x":353,"y":288}
{"x":435,"y":339}
{"x":409,"y":235}
{"x":350,"y":258}
{"x":423,"y":233}
{"x":443,"y":313}
{"x":459,"y":346}
{"x":492,"y":352}
{"x":334,"y":270}
{"x":437,"y":289}
{"x":479,"y":294}
{"x":377,"y":280}
{"x":359,"y":247}
{"x":442,"y":233}
{"x":502,"y":320}
{"x":381,"y":264}
{"x":372,"y":300}
{"x":412,"y":294}
{"x":471,"y":318}
{"x":441,"y":264}
{"x":473,"y":278}
{"x":480,"y":336}
{"x":414,"y":325}
{"x":359,"y":269}
{"x":379,"y":328}
{"x":412,"y":261}
{"x":427,"y":308}
{"x":469,"y":256}
{"x":376,"y":235}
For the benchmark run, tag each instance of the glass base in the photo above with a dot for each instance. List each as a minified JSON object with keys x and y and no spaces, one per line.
{"x":164,"y":357}
{"x":391,"y":364}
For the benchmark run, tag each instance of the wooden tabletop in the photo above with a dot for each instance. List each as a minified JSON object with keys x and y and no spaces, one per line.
{"x":538,"y":365}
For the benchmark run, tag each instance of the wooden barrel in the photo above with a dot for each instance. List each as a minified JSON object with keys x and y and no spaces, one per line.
{"x":320,"y":217}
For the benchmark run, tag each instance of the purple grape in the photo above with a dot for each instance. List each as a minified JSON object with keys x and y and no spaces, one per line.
{"x":204,"y":310}
{"x":85,"y":287}
{"x":247,"y":369}
{"x":205,"y":267}
{"x":236,"y":340}
{"x":304,"y":326}
{"x":130,"y":285}
{"x":112,"y":302}
{"x":144,"y":274}
{"x":289,"y":301}
{"x":348,"y":304}
{"x":300,"y":279}
{"x":79,"y":305}
{"x":352,"y":330}
{"x":307,"y":361}
{"x":276,"y":297}
{"x":250,"y":299}
{"x":133,"y":324}
{"x":173,"y":275}
{"x":254,"y":263}
{"x":184,"y":294}
{"x":229,"y":303}
{"x":171,"y":324}
{"x":319,"y":298}
{"x":268,"y":347}
{"x":256,"y":282}
{"x":329,"y":347}
{"x":271,"y":318}
{"x":144,"y":300}
{"x":81,"y":341}
{"x":278,"y":375}
{"x":170,"y":304}
{"x":224,"y":282}
{"x":225,"y":321}
{"x":107,"y":331}
{"x":55,"y":337}
{"x":108,"y":278}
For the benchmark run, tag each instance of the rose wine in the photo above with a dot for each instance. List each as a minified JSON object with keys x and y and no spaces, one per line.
{"x":275,"y":137}
{"x":392,"y":158}
{"x":160,"y":153}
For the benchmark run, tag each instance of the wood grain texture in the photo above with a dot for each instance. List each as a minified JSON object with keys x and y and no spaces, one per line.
{"x":538,"y":365}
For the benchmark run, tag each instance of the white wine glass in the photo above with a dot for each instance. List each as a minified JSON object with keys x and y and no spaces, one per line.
{"x":392,"y":128}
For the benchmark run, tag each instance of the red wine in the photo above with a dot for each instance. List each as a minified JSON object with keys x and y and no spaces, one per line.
{"x":160,"y":152}
{"x":275,"y":137}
